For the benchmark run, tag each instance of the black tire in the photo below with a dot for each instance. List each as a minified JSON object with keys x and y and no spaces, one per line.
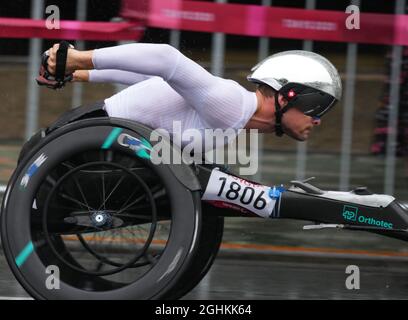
{"x":208,"y":247}
{"x":29,"y":256}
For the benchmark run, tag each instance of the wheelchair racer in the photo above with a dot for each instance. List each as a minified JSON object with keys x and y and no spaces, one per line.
{"x":294,"y":89}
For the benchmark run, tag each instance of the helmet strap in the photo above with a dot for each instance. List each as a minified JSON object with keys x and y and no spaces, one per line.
{"x":278,"y":117}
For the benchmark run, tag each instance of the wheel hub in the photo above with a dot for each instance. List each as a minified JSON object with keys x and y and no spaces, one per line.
{"x":101,"y":219}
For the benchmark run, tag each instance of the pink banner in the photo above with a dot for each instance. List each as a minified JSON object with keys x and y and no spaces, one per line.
{"x":275,"y":22}
{"x":238,"y":19}
{"x":70,"y":30}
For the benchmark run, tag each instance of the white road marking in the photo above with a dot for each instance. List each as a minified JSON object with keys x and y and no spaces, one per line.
{"x":16,"y":298}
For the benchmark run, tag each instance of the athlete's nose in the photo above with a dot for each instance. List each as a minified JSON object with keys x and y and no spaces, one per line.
{"x":316,"y":121}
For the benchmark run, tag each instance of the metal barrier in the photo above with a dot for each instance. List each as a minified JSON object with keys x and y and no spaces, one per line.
{"x":241,"y":21}
{"x":195,"y":16}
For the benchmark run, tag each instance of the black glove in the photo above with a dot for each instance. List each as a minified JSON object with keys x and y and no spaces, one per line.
{"x":60,"y":79}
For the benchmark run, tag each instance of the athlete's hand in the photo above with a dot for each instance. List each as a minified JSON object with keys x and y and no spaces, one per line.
{"x":71,"y":59}
{"x":81,"y":76}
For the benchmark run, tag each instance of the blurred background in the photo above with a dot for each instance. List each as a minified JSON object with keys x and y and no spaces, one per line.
{"x":364,"y":141}
{"x":348,"y":150}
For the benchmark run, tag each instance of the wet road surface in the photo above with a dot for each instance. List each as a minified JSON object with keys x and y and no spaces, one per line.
{"x":297,"y":279}
{"x":279,"y":277}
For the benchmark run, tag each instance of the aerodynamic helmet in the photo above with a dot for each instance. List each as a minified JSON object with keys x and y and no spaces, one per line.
{"x":307,"y":80}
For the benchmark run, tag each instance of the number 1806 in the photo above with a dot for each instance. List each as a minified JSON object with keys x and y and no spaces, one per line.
{"x":246,"y":195}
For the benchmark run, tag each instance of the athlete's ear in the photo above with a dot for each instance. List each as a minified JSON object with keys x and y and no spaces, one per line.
{"x":282,"y":100}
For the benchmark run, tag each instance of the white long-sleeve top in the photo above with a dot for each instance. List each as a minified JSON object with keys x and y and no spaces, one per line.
{"x":166,"y":86}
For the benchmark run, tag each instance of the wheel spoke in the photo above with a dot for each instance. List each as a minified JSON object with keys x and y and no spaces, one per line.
{"x":111,"y":182}
{"x":67,"y":197}
{"x":139,"y":199}
{"x":127,"y":215}
{"x":113,"y":190}
{"x":125,"y":203}
{"x":80,"y":191}
{"x":103,"y":190}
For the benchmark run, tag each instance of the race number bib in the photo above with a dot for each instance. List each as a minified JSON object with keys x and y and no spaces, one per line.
{"x":227,"y":188}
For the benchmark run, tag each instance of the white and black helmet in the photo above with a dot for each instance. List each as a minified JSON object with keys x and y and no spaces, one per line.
{"x":307,"y":80}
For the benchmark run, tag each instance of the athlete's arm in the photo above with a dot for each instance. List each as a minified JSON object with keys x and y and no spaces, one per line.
{"x":80,"y":76}
{"x":181,"y":73}
{"x":109,"y":76}
{"x":220,"y":103}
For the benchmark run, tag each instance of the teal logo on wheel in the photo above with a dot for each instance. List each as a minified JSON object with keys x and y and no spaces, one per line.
{"x":350,"y":213}
{"x":142,"y":147}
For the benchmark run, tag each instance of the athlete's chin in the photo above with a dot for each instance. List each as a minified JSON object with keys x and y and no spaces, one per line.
{"x":305,"y":135}
{"x":299,"y":137}
{"x":302,"y":138}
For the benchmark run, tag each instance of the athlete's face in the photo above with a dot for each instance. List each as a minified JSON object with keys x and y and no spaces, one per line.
{"x":297,"y":125}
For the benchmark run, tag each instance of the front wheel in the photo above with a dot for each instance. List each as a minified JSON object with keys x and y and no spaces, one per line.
{"x":86,"y":218}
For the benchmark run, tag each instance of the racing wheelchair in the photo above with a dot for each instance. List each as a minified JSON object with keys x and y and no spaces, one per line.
{"x":88,"y":214}
{"x":87,"y":202}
